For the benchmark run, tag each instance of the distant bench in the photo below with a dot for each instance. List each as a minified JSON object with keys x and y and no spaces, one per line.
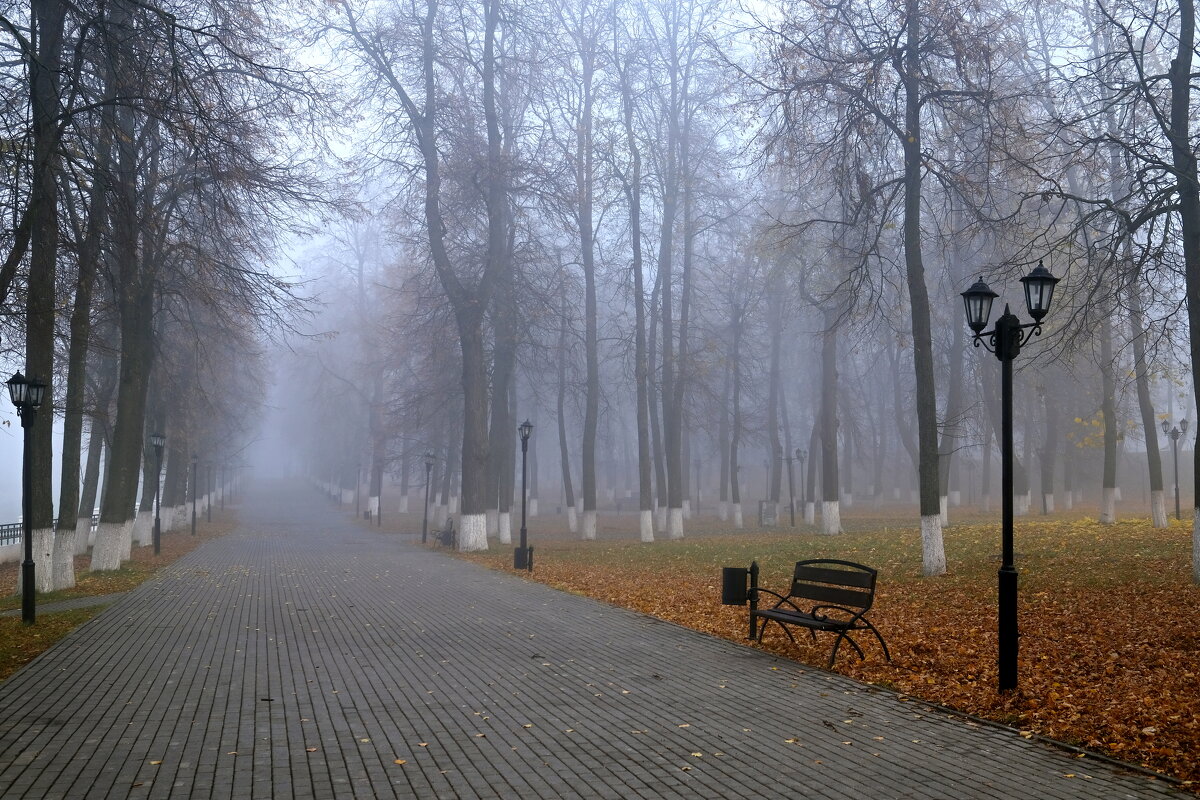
{"x":445,"y":535}
{"x":826,"y":595}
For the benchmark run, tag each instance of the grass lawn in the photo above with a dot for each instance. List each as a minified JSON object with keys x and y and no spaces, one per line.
{"x":20,"y":644}
{"x":1110,"y":649}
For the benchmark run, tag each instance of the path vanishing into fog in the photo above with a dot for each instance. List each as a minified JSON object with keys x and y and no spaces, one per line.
{"x":303,"y":655}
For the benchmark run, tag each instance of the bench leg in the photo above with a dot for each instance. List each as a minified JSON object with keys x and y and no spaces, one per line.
{"x":879,"y":636}
{"x":842,"y":635}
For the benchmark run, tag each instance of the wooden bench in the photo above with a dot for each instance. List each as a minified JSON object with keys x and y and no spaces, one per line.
{"x":826,"y":595}
{"x":445,"y":535}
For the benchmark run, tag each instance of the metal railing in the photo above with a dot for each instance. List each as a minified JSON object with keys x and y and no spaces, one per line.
{"x":11,"y":532}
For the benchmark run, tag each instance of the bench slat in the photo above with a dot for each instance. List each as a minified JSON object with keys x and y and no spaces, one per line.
{"x":852,"y":598}
{"x":840,"y":577}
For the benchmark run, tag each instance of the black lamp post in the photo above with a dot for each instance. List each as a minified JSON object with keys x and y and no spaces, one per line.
{"x":792,"y":489}
{"x":425,"y":517}
{"x":802,"y":454}
{"x":523,"y":555}
{"x":1005,"y":341}
{"x":26,"y":395}
{"x":195,"y":487}
{"x":1175,"y":433}
{"x":158,"y":441}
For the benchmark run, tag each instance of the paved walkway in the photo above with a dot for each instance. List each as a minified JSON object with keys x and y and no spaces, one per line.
{"x":302,"y":656}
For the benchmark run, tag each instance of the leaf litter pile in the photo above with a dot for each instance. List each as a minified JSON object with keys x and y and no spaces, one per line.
{"x":1110,"y":648}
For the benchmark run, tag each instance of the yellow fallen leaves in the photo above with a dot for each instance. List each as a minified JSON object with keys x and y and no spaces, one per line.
{"x":400,"y":761}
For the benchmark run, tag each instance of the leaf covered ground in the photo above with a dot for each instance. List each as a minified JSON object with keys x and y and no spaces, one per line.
{"x":1110,"y":648}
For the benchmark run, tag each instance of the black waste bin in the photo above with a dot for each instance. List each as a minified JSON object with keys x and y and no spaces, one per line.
{"x":734,"y":582}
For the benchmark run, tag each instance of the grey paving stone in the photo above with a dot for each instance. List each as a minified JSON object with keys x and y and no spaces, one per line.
{"x":302,"y":655}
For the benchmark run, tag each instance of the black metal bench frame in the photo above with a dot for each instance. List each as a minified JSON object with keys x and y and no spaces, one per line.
{"x":826,"y":595}
{"x":445,"y":535}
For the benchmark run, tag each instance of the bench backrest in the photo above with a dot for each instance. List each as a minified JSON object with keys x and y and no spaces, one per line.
{"x":839,"y":583}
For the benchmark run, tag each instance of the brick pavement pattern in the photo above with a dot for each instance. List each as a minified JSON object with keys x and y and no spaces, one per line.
{"x":305,"y":656}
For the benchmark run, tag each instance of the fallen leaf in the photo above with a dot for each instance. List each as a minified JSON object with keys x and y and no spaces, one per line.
{"x":399,"y":761}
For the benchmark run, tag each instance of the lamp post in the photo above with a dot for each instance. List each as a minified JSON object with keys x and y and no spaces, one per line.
{"x":523,"y":555}
{"x":1005,"y":341}
{"x":208,"y":489}
{"x":195,"y":486}
{"x":802,"y":454}
{"x":1175,"y":433}
{"x":26,"y":394}
{"x":425,"y":517}
{"x":792,"y":489}
{"x":158,"y":441}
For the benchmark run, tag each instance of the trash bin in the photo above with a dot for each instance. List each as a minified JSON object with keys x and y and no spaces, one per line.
{"x":734,"y":581}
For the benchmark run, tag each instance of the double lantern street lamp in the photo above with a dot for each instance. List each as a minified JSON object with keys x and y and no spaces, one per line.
{"x":26,"y":394}
{"x":523,"y":555}
{"x":158,"y":441}
{"x":1175,"y":434}
{"x":425,"y":517}
{"x":1005,"y":340}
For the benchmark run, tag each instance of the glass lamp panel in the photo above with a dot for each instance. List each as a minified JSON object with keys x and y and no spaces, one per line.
{"x":1039,"y":291}
{"x":17,"y":389}
{"x":37,"y":393}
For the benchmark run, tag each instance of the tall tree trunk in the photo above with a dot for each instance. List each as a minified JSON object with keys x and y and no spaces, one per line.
{"x":564,"y":452}
{"x":723,"y":442}
{"x":1108,"y":408}
{"x":584,"y":180}
{"x":44,"y":62}
{"x":933,"y":554}
{"x":831,"y":513}
{"x":735,"y":433}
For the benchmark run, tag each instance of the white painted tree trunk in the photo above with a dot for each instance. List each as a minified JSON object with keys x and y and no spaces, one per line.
{"x":504,"y":527}
{"x":347,"y":497}
{"x":1069,"y":500}
{"x":933,"y":552}
{"x":646,"y":525}
{"x":533,"y":507}
{"x":831,"y":517}
{"x":572,"y":520}
{"x":1158,"y":509}
{"x":737,"y":515}
{"x":687,"y":509}
{"x":492,"y":520}
{"x":589,"y":525}
{"x":83,"y":533}
{"x":848,"y":499}
{"x":403,"y":509}
{"x":987,"y":503}
{"x":660,"y":518}
{"x":723,"y":510}
{"x":106,"y":554}
{"x":472,"y":532}
{"x":1117,"y":493}
{"x":454,"y":499}
{"x":675,"y":523}
{"x":955,"y":498}
{"x":1048,"y":500}
{"x":64,"y":560}
{"x":43,"y":560}
{"x":944,"y":505}
{"x":810,"y":513}
{"x":143,"y":528}
{"x":373,"y":506}
{"x":1108,"y":507}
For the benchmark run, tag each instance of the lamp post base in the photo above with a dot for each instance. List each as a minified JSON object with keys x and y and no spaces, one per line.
{"x":28,"y":606}
{"x":1008,"y":628}
{"x":523,"y":558}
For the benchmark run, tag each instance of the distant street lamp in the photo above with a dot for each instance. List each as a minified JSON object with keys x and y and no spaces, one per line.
{"x":26,"y":394}
{"x":195,"y":487}
{"x":158,"y":441}
{"x":425,"y":518}
{"x":1175,"y":433}
{"x":523,"y":555}
{"x":1005,"y":341}
{"x":802,"y":454}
